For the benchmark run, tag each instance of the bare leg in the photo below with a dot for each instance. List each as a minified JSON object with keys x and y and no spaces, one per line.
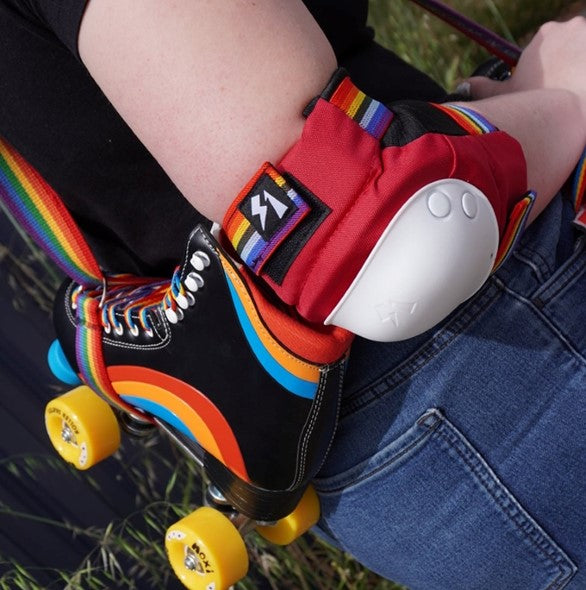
{"x":212,"y":89}
{"x":540,"y":120}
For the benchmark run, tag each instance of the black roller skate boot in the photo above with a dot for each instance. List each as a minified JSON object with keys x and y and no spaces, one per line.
{"x":237,"y":380}
{"x":243,"y":385}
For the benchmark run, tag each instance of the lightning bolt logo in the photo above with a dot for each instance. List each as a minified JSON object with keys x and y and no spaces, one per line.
{"x":256,"y":208}
{"x":260,"y":209}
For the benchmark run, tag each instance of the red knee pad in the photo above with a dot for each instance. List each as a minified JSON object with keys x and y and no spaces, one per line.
{"x":308,"y":225}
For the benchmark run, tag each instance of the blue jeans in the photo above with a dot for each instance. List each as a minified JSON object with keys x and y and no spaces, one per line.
{"x":460,"y":461}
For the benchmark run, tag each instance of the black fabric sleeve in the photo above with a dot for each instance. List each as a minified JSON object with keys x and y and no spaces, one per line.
{"x":62,"y":18}
{"x":343,"y":21}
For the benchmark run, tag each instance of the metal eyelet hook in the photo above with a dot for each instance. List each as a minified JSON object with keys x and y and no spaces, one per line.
{"x":77,"y":291}
{"x":104,"y":288}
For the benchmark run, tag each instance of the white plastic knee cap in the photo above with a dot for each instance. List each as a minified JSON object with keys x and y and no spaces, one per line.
{"x":435,"y":253}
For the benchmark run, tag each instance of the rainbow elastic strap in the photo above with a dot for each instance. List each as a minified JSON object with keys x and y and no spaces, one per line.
{"x":578,"y":190}
{"x":373,"y":116}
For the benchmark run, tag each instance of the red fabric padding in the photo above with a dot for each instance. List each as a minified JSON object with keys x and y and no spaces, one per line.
{"x":365,"y":186}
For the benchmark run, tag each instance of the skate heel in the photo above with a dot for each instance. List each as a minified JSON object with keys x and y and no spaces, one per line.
{"x":255,"y":502}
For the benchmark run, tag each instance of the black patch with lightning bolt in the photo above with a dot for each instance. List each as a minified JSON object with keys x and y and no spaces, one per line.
{"x":275,"y":218}
{"x":267,"y":207}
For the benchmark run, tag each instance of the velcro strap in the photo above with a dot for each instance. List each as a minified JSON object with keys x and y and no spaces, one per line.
{"x":265,"y":212}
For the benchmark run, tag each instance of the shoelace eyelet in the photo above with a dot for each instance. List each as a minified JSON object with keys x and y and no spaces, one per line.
{"x":193,"y":281}
{"x":182,"y":301}
{"x":174,"y":315}
{"x":200,"y":260}
{"x":171,"y":315}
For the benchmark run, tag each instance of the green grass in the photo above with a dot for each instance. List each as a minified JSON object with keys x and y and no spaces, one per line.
{"x":128,"y":553}
{"x":445,"y":54}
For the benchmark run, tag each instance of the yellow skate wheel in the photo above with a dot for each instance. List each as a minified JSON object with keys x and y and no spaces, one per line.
{"x":291,"y":527}
{"x":82,"y":427}
{"x":206,"y":551}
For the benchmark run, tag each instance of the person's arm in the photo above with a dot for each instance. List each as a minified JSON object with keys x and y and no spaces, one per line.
{"x":369,"y":219}
{"x":543,"y":105}
{"x":213,"y":89}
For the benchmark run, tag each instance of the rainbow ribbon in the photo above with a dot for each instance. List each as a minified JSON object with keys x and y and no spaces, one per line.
{"x":40,"y":211}
{"x":514,"y":228}
{"x":579,"y":183}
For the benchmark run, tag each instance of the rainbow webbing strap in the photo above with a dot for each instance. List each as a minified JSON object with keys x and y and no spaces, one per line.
{"x":373,"y":116}
{"x":40,"y":211}
{"x":579,"y":184}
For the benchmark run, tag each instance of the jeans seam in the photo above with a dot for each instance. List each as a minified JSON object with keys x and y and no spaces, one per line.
{"x":469,"y":313}
{"x":537,"y":311}
{"x":521,"y":518}
{"x":537,"y":268}
{"x":569,"y":272}
{"x":349,"y":480}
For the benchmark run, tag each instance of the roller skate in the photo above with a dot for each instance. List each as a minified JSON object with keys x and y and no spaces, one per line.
{"x":244,"y":386}
{"x":246,"y":389}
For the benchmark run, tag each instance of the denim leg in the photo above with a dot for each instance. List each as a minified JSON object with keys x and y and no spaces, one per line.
{"x":460,"y":460}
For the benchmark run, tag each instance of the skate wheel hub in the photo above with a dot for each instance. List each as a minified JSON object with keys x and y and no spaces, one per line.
{"x":206,"y":550}
{"x":67,"y":434}
{"x":82,"y":427}
{"x":192,"y":562}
